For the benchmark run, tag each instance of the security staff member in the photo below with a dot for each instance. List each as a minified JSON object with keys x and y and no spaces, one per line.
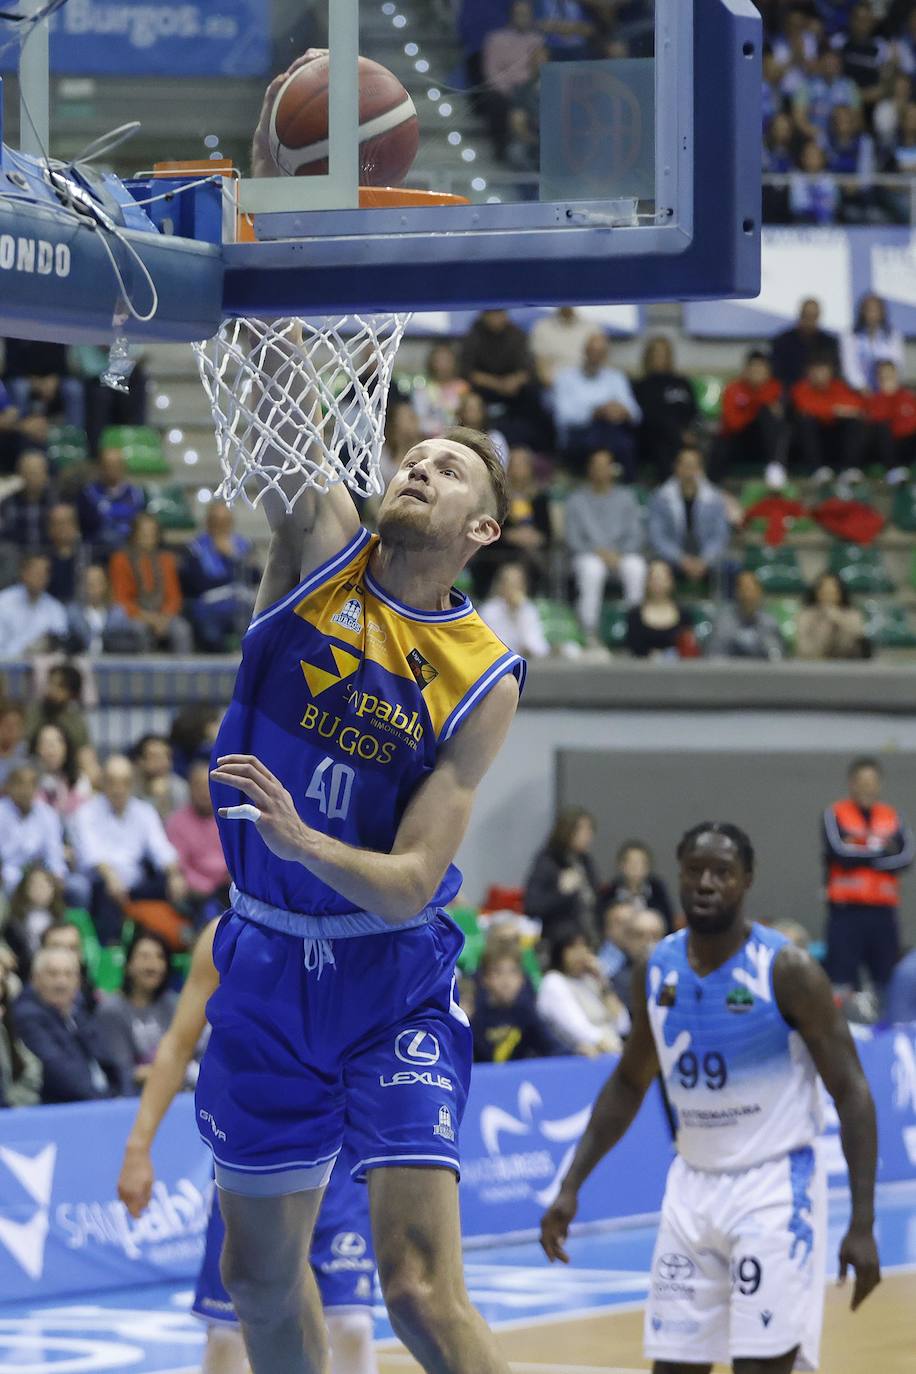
{"x":867,"y":845}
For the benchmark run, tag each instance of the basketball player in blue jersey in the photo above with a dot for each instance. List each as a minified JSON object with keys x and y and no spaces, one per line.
{"x":369,"y":704}
{"x":341,"y":1255}
{"x":741,"y":1023}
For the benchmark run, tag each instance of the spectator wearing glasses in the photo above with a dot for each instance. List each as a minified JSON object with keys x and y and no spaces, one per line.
{"x":76,"y":1059}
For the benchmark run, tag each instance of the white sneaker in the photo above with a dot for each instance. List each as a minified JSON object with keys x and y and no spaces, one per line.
{"x":775,"y":476}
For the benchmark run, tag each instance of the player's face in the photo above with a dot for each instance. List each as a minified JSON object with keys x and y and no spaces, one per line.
{"x":713,"y":882}
{"x":435,"y":499}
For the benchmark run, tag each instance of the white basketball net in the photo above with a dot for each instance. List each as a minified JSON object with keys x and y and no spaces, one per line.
{"x":298,"y":403}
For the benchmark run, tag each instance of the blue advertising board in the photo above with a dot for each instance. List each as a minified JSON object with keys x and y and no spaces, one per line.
{"x":156,"y":38}
{"x":836,"y":266}
{"x":62,"y":1230}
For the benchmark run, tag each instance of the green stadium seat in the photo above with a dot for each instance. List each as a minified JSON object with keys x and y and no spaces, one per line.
{"x":861,"y":569}
{"x":785,"y":612}
{"x":109,"y":973}
{"x":889,"y":626}
{"x":903,"y":507}
{"x":559,"y":623}
{"x":702,"y":614}
{"x":614,"y":625}
{"x":172,"y":508}
{"x":67,"y":446}
{"x":142,"y":447}
{"x":777,"y":568}
{"x":707,"y":388}
{"x":472,"y":953}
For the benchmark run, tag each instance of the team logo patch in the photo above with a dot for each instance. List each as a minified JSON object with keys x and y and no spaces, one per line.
{"x":351,"y":616}
{"x":342,"y":665}
{"x":422,"y":669}
{"x":667,"y":996}
{"x":739,"y":999}
{"x":444,"y":1129}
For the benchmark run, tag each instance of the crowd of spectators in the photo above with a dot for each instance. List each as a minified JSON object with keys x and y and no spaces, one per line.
{"x":624,"y":488}
{"x":839,"y":91}
{"x":97,"y":859}
{"x":83,"y":565}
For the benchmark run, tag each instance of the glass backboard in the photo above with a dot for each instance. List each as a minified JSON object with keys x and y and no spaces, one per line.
{"x":580,"y":151}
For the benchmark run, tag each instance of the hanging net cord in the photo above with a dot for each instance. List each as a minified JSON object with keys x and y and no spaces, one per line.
{"x":300,"y":404}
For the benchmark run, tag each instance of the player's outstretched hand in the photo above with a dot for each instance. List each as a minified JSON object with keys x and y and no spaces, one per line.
{"x":272,"y":810}
{"x":859,"y":1250}
{"x":262,"y":163}
{"x":555,"y":1224}
{"x":135,"y":1185}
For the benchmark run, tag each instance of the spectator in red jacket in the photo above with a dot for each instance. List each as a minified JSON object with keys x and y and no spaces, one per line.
{"x":892,"y":409}
{"x":753,"y":421}
{"x":830,"y":424}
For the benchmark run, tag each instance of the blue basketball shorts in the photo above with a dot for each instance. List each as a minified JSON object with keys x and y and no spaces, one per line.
{"x":342,"y":1257}
{"x":370,"y":1044}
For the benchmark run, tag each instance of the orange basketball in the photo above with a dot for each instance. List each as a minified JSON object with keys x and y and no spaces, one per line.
{"x":389,"y":133}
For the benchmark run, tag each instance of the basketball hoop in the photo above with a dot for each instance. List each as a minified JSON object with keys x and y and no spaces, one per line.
{"x":300,"y":404}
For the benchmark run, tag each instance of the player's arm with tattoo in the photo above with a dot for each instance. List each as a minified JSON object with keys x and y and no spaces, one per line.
{"x":612,"y":1115}
{"x":167,"y":1074}
{"x":399,"y":884}
{"x":805,"y":998}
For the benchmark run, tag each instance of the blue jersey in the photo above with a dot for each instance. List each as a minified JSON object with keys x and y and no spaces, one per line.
{"x":742,"y":1083}
{"x":347,"y":695}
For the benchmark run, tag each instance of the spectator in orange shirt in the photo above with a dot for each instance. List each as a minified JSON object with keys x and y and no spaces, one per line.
{"x":753,"y":420}
{"x":144,"y":580}
{"x":830,"y":424}
{"x":892,"y":409}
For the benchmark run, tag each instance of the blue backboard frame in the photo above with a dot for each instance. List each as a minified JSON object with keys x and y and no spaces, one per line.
{"x":504,"y":255}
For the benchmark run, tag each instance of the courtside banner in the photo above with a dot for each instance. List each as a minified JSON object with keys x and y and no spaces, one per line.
{"x":520,"y":1128}
{"x":155,"y":38}
{"x":62,"y":1230}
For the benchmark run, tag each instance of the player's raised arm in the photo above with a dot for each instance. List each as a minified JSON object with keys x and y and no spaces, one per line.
{"x":399,"y":884}
{"x":167,"y":1074}
{"x":612,"y":1115}
{"x":805,"y":998}
{"x":320,"y":522}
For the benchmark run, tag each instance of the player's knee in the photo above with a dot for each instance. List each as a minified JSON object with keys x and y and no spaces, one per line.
{"x":258,"y":1296}
{"x":416,"y":1302}
{"x":351,"y":1341}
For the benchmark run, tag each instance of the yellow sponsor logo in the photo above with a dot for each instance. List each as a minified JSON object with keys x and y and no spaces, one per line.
{"x":350,"y":740}
{"x":391,"y":715}
{"x":319,"y":680}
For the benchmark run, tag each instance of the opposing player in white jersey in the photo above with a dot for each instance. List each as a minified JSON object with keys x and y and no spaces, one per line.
{"x":740,"y":1022}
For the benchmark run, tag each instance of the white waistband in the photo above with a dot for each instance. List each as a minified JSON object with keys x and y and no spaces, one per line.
{"x":301,"y":924}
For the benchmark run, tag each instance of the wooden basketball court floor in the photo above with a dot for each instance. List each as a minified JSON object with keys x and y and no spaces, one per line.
{"x":585,"y":1319}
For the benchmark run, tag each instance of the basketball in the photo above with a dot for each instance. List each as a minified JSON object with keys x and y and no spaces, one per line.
{"x":389,"y":132}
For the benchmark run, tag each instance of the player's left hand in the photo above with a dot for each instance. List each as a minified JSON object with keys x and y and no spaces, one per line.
{"x":858,"y":1249}
{"x":278,"y":822}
